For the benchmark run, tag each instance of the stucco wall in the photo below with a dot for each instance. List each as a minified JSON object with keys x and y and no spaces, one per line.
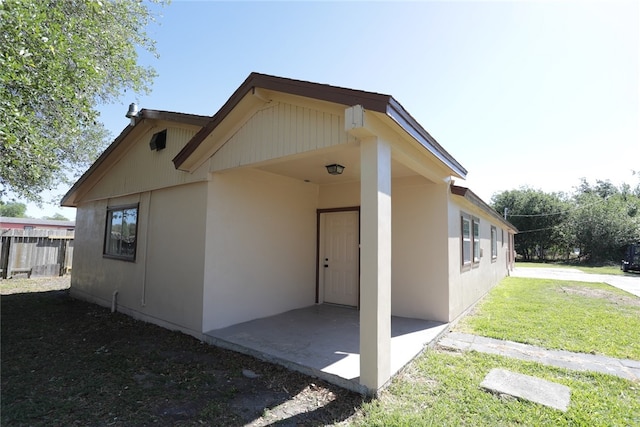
{"x":260,"y":249}
{"x":419,"y":255}
{"x":164,"y":284}
{"x":339,"y":195}
{"x":468,"y":285}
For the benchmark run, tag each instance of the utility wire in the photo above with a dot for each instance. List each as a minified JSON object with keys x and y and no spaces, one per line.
{"x":537,"y":229}
{"x":555,"y":213}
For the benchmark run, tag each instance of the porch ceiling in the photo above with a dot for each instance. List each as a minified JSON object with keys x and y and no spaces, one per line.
{"x":311,"y":167}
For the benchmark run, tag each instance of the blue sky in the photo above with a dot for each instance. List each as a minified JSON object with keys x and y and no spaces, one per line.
{"x":536,"y":94}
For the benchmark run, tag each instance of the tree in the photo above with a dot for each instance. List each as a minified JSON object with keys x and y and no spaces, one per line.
{"x":60,"y":59}
{"x":13,"y":209}
{"x":57,"y":216}
{"x":539,"y":217}
{"x":605,"y":220}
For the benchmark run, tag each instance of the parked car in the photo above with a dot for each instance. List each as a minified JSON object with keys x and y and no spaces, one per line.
{"x":631,"y":260}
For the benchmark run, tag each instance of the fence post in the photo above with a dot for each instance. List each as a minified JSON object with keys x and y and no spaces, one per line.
{"x":62,"y":252}
{"x":4,"y":255}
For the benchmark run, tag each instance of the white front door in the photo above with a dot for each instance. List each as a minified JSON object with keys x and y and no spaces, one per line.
{"x":341,"y":258}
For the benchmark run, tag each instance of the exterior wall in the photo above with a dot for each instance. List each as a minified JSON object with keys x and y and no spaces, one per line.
{"x":260,"y":247}
{"x":419,"y":229}
{"x":281,"y":129}
{"x":419,"y":257}
{"x":467,"y":286}
{"x":164,"y":284}
{"x":140,"y":169}
{"x":339,"y":195}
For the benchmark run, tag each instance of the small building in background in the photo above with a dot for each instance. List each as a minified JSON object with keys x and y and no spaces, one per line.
{"x":39,"y":247}
{"x":35,"y":224}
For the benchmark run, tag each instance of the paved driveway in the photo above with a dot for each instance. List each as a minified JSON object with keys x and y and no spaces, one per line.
{"x":629,"y":282}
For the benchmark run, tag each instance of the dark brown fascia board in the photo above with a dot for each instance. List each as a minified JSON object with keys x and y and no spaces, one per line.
{"x":171,"y":116}
{"x":189,"y":119}
{"x":473,"y":198}
{"x":369,"y":100}
{"x":413,"y":128}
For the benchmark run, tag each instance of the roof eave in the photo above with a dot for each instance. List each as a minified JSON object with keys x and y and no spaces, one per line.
{"x":397,"y":113}
{"x":474,"y":199}
{"x":189,"y":119}
{"x":369,"y":100}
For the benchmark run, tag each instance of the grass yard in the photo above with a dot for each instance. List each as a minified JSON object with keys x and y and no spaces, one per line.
{"x":442,"y":389}
{"x":602,"y":269}
{"x":66,"y":362}
{"x":576,"y":316}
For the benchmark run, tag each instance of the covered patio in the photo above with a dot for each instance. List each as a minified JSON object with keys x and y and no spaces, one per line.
{"x":323,"y":341}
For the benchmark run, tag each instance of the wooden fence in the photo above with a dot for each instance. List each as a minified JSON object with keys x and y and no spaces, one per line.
{"x":35,"y":252}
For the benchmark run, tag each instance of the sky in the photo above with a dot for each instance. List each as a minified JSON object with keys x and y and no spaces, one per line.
{"x":532,"y":94}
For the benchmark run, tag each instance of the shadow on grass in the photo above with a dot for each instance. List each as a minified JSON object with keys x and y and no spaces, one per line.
{"x":67,"y":362}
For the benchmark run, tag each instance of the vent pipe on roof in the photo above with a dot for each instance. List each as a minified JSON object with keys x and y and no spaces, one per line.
{"x":132,"y":113}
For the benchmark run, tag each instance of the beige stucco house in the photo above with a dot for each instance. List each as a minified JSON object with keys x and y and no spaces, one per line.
{"x":197,"y":223}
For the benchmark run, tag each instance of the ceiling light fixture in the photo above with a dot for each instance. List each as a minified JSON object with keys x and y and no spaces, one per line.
{"x":335,"y":169}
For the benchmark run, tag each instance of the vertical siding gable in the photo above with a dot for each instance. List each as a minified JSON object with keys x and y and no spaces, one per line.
{"x":280,"y":130}
{"x":141,"y":169}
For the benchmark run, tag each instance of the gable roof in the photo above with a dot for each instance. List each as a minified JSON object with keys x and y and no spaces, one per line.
{"x":474,"y":199}
{"x":372,"y":101}
{"x":189,"y":119}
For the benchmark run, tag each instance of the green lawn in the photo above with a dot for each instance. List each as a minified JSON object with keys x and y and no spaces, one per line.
{"x":575,"y":316}
{"x":443,"y":389}
{"x":66,"y":362}
{"x":602,"y":269}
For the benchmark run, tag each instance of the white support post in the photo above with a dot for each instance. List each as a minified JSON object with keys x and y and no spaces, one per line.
{"x":375,"y":263}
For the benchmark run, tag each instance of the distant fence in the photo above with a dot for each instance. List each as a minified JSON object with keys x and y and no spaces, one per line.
{"x":35,"y":252}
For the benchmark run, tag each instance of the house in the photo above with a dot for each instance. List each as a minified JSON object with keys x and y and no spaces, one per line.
{"x":9,"y":223}
{"x":293,"y":194}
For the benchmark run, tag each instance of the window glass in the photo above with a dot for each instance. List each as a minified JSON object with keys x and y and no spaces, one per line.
{"x":476,"y":240}
{"x":120,"y":236}
{"x":494,"y":242}
{"x":466,"y":240}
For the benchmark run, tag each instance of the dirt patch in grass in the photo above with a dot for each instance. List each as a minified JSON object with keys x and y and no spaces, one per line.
{"x":67,"y":362}
{"x":34,"y":284}
{"x":602,"y":294}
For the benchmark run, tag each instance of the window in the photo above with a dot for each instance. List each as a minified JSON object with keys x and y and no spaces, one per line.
{"x":120,"y":236}
{"x":470,"y":236}
{"x":466,"y":240}
{"x":494,"y":243}
{"x":476,"y":240}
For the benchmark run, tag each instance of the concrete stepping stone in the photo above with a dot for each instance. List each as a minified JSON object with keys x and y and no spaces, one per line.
{"x":526,"y":387}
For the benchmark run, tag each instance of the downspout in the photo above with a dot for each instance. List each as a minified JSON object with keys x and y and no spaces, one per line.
{"x":114,"y":301}
{"x":143,"y":301}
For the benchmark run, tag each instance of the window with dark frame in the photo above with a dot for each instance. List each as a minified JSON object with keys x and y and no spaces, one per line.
{"x":466,"y":239}
{"x":121,"y":232}
{"x":494,"y":243}
{"x":476,"y":240}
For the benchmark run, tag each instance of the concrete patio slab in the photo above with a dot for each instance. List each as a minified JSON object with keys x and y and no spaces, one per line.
{"x":323,"y":341}
{"x":526,"y":387}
